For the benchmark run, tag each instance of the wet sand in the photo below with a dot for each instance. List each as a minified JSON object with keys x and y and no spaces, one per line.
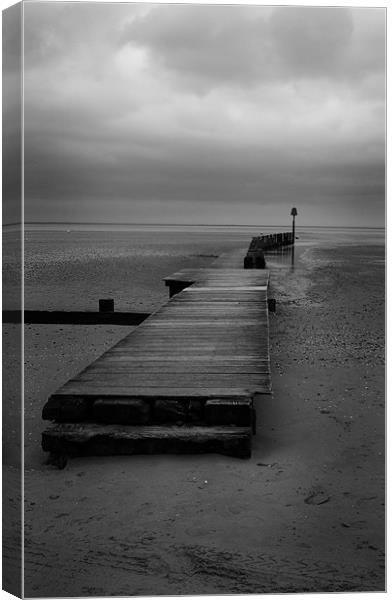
{"x":305,"y":513}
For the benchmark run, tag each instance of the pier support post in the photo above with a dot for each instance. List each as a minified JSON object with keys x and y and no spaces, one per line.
{"x":248,"y":262}
{"x":106,"y":305}
{"x":272,"y":305}
{"x":260,"y":260}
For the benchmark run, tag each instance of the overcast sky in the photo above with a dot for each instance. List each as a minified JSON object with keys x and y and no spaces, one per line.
{"x":204,"y":114}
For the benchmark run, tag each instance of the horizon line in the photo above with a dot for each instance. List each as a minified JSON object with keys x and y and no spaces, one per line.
{"x":187,"y":224}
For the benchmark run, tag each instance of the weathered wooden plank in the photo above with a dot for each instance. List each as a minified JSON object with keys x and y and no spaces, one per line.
{"x":197,"y":342}
{"x":183,"y":367}
{"x":253,"y":343}
{"x":170,"y":411}
{"x":164,"y":332}
{"x":215,"y":295}
{"x":196,"y":360}
{"x":235,"y":360}
{"x":196,"y":354}
{"x":227,"y":327}
{"x":210,"y":309}
{"x":228,"y":412}
{"x":194,"y":329}
{"x":238,"y":275}
{"x":86,"y":390}
{"x":212,"y":298}
{"x":184,"y":364}
{"x":121,"y":378}
{"x":195,"y":338}
{"x":179,"y":368}
{"x":188,"y":356}
{"x":227,"y":287}
{"x":208,"y":324}
{"x":200,"y":342}
{"x":67,"y":410}
{"x":165,"y":335}
{"x":154,"y":388}
{"x":226,"y":323}
{"x":234,"y":308}
{"x":198,"y":349}
{"x":100,"y":440}
{"x":231,"y":348}
{"x":121,"y":410}
{"x":218,"y":301}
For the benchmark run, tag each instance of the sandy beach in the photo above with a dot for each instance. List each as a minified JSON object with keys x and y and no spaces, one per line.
{"x":305,"y":513}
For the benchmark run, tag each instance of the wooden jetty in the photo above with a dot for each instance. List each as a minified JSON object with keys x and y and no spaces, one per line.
{"x":255,"y":258}
{"x":184,"y":381}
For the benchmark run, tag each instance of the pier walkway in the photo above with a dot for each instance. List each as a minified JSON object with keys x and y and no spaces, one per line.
{"x":182,"y":382}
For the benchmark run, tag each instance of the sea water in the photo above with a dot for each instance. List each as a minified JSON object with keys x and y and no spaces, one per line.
{"x":71,"y":266}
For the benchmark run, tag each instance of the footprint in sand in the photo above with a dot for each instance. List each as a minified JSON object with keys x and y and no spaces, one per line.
{"x":317,"y":497}
{"x":198,"y":531}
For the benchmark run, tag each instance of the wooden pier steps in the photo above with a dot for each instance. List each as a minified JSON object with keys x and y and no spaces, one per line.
{"x":100,"y":440}
{"x":182,"y":382}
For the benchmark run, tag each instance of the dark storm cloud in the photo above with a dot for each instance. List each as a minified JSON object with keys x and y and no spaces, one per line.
{"x":204,"y":43}
{"x":312,"y":41}
{"x":241,"y":45}
{"x":143,"y":112}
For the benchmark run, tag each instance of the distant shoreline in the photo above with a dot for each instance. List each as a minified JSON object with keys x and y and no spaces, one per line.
{"x":288,"y":226}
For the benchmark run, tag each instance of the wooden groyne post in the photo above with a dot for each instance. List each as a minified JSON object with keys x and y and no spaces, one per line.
{"x":106,"y":305}
{"x":294,"y":214}
{"x":255,"y":258}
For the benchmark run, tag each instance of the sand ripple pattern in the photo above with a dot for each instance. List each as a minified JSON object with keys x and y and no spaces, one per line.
{"x":144,"y":567}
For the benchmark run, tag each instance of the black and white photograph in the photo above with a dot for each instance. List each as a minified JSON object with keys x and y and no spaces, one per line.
{"x":194,"y":221}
